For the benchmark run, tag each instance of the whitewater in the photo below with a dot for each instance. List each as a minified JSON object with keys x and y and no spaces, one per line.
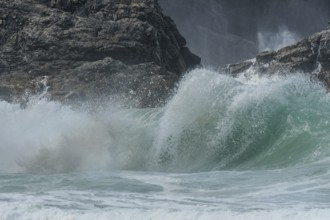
{"x":250,"y":147}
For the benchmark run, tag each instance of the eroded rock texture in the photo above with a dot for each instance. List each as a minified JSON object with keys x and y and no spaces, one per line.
{"x":311,"y":56}
{"x":91,"y":48}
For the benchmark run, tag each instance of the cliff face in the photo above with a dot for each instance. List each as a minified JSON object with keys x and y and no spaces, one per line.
{"x":91,"y":48}
{"x":311,"y":56}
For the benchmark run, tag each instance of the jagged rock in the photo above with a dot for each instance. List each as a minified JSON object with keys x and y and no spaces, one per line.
{"x":265,"y":57}
{"x":81,"y":42}
{"x":308,"y":55}
{"x":240,"y":67}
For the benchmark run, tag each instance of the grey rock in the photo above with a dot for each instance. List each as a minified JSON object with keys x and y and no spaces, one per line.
{"x":141,"y":85}
{"x":311,"y":56}
{"x":266,"y":56}
{"x":239,"y":67}
{"x":90,"y":45}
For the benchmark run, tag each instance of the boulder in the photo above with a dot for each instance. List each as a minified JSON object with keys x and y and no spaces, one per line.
{"x":91,"y":46}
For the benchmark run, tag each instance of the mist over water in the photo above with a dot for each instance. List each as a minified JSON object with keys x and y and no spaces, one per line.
{"x":248,"y":147}
{"x":226,"y":31}
{"x":213,"y":122}
{"x":272,"y":41}
{"x":252,"y":147}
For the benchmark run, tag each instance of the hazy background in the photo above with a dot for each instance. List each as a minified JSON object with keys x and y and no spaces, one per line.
{"x":229,"y":31}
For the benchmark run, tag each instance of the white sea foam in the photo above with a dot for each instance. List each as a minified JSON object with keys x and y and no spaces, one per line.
{"x":213,"y":121}
{"x":164,"y":214}
{"x":267,"y":137}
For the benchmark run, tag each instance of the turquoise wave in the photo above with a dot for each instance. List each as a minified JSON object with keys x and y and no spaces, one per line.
{"x":219,"y":122}
{"x":213,"y":122}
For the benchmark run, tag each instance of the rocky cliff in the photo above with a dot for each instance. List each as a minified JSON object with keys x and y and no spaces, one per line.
{"x":82,"y":49}
{"x":311,"y":56}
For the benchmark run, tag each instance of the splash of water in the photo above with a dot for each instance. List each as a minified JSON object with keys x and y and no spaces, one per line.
{"x":213,"y":122}
{"x":269,"y":40}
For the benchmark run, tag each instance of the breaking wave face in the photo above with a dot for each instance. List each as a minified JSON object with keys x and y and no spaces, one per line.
{"x":213,"y":122}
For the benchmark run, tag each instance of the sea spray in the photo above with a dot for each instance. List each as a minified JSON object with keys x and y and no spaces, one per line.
{"x":216,"y":122}
{"x":213,"y":122}
{"x":275,"y":40}
{"x":251,"y":147}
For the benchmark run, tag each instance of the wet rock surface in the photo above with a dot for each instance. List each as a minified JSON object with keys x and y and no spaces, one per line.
{"x":310,"y":56}
{"x":89,"y":48}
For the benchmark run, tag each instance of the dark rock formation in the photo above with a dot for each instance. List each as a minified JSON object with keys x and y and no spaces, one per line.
{"x":311,"y":56}
{"x":90,"y":48}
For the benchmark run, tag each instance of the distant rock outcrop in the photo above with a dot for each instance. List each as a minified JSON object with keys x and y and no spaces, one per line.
{"x":90,"y":48}
{"x":311,"y":56}
{"x":230,"y":31}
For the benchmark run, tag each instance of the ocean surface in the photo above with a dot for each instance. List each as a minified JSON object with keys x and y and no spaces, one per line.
{"x":251,"y":147}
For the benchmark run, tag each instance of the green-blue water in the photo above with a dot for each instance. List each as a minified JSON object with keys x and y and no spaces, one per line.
{"x":221,"y":148}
